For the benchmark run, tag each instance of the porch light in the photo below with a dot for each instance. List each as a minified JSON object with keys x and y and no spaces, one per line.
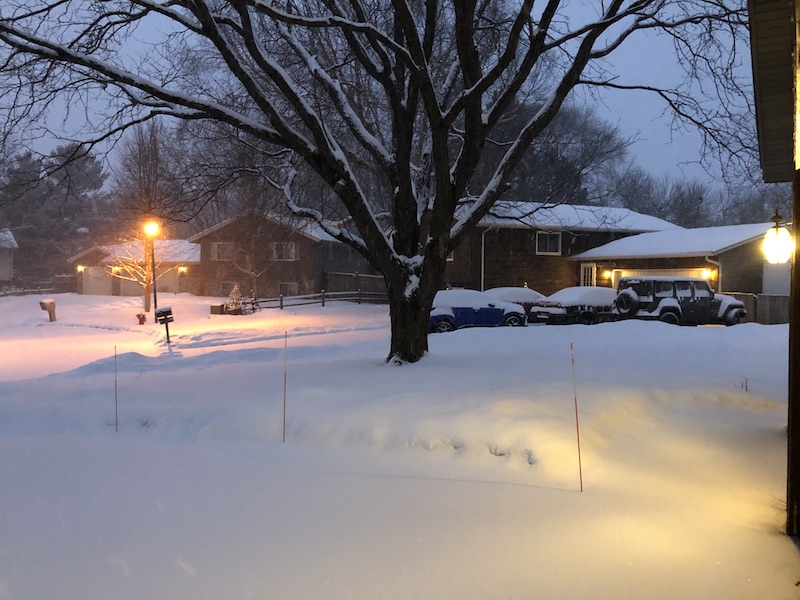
{"x":182,"y":270}
{"x":778,"y":243}
{"x":81,"y":268}
{"x":709,"y":274}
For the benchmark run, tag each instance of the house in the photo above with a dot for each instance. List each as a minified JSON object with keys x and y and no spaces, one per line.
{"x":8,"y":245}
{"x":271,"y":255}
{"x":527,"y":243}
{"x":731,"y":257}
{"x":109,"y":270}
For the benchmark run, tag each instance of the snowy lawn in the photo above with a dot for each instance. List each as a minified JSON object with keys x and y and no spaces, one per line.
{"x":456,"y":477}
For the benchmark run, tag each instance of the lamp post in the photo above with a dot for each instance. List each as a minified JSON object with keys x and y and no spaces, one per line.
{"x":151,"y":229}
{"x":778,"y":243}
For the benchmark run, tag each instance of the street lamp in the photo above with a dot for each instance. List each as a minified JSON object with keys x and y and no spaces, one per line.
{"x":150,"y":230}
{"x":778,"y":242}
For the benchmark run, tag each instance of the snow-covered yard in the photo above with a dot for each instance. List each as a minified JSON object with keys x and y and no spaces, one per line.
{"x":456,"y":477}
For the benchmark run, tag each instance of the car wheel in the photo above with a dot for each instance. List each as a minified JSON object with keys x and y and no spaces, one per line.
{"x":442,"y":326}
{"x":627,"y":303}
{"x":587,"y":318}
{"x":733,"y":318}
{"x":513,"y":321}
{"x":670,"y":317}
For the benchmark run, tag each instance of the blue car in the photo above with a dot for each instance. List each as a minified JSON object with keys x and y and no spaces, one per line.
{"x":454,"y":309}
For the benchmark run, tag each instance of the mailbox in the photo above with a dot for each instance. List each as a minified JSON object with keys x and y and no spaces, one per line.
{"x":164,"y":315}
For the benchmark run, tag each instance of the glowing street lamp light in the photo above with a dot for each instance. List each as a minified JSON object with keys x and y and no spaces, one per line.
{"x":151,"y":230}
{"x":778,"y":243}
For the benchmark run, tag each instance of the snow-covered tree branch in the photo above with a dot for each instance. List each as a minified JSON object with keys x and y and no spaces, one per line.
{"x":391,"y":105}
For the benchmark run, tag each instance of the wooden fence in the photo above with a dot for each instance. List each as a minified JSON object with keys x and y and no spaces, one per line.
{"x":250,"y":305}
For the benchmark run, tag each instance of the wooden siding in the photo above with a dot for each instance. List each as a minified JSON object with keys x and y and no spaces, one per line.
{"x":6,"y":265}
{"x":743,"y":269}
{"x":510,"y":259}
{"x":255,"y":237}
{"x":772,"y":39}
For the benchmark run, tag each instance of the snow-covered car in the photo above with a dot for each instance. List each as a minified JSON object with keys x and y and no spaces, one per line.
{"x":454,"y":309}
{"x":584,"y":304}
{"x":680,"y":301}
{"x":523,"y":296}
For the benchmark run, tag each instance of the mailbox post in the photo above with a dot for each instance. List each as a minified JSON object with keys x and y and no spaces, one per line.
{"x":164,"y":316}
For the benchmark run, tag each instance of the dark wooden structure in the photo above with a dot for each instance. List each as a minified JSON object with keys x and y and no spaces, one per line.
{"x":271,"y":256}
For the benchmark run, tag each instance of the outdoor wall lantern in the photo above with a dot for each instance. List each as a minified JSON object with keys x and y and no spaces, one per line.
{"x":709,"y":274}
{"x":81,"y":268}
{"x":778,"y":243}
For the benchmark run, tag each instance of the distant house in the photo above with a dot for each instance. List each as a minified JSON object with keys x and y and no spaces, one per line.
{"x":8,"y":245}
{"x":526,"y":243}
{"x":269,"y":255}
{"x":104,"y":270}
{"x":729,"y":256}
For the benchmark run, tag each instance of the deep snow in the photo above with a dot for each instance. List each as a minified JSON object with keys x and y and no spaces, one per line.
{"x":456,"y":477}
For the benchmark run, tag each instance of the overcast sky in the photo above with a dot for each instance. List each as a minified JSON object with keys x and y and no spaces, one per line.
{"x":651,"y":60}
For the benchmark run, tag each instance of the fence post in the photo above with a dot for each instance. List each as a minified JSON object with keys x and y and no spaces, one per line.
{"x":323,"y":297}
{"x":281,"y":299}
{"x":359,"y":295}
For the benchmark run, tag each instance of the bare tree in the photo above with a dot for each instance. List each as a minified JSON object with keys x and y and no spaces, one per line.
{"x":758,"y":203}
{"x":145,"y":182}
{"x":685,"y":203}
{"x":132,"y":261}
{"x":395,"y":95}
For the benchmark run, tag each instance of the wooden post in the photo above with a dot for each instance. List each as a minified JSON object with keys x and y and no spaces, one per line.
{"x":285,"y":361}
{"x":116,"y":396}
{"x":577,"y":423}
{"x":793,"y":430}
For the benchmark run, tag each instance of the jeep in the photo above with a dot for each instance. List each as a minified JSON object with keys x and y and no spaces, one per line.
{"x":675,"y":300}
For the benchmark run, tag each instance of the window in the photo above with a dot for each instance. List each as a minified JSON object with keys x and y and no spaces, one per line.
{"x":548,"y":243}
{"x":663,"y":289}
{"x":287,"y":288}
{"x":452,"y":256}
{"x":284,"y":251}
{"x":702,"y":290}
{"x":684,"y":290}
{"x":222,"y":250}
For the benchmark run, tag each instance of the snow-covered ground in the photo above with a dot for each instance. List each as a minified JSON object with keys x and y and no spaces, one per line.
{"x":456,"y":477}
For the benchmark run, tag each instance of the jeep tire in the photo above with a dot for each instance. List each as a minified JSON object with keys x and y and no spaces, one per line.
{"x":627,"y":303}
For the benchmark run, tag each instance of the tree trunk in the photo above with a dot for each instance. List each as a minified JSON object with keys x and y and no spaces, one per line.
{"x":147,"y":288}
{"x":409,"y":319}
{"x":411,"y":296}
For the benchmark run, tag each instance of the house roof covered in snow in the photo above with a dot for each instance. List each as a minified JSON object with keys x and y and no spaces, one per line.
{"x":167,"y":251}
{"x":7,"y":239}
{"x":304,"y":227}
{"x":701,"y":241}
{"x":509,"y":214}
